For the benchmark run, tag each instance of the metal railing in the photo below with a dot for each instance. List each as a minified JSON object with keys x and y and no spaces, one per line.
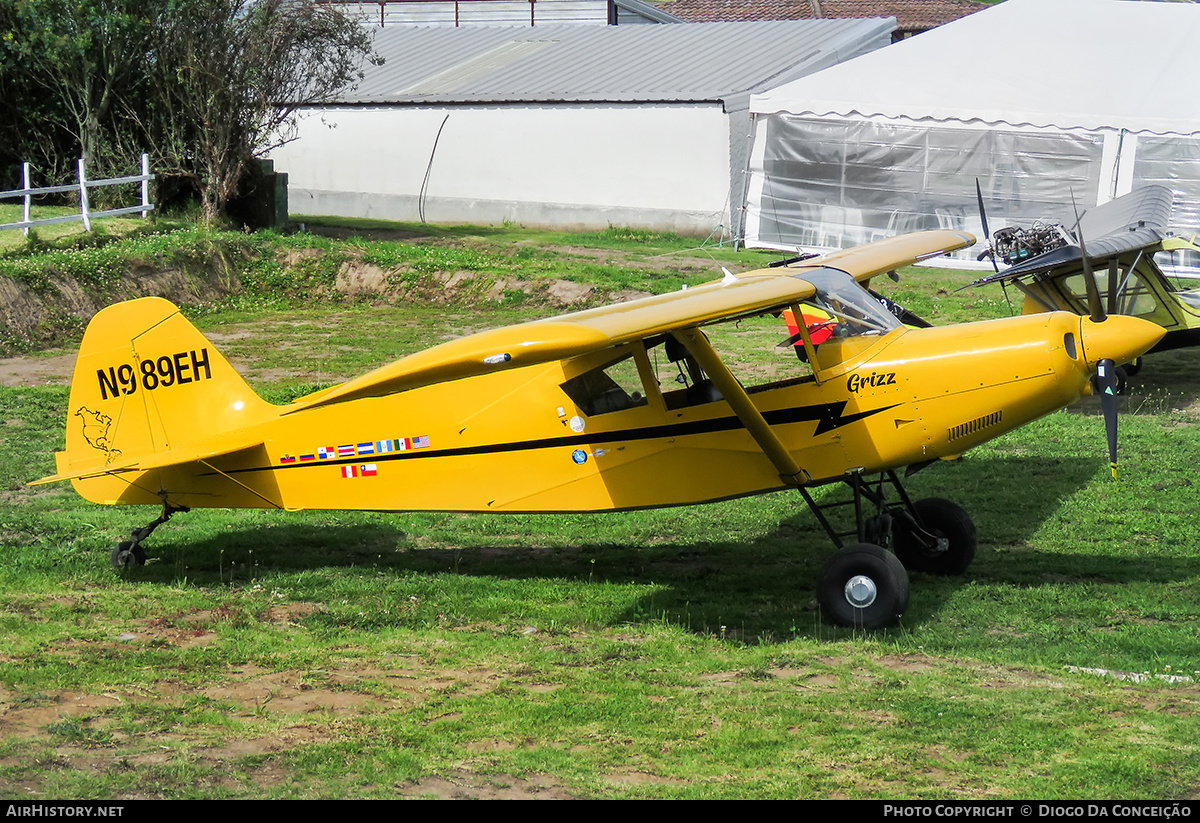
{"x":85,"y":212}
{"x":431,"y":4}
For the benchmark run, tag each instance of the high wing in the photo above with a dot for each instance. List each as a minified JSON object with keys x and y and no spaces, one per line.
{"x":573,"y":334}
{"x":1128,"y":223}
{"x":866,"y":261}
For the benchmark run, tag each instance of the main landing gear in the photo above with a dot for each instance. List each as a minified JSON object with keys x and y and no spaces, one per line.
{"x":129,"y":552}
{"x":864,"y":585}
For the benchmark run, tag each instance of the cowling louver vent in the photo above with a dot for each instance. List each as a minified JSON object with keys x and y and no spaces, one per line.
{"x":975,"y":425}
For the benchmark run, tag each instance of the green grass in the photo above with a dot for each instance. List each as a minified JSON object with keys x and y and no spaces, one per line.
{"x":11,"y":211}
{"x":674,"y":653}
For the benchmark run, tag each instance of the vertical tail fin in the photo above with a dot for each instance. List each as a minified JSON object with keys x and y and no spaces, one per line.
{"x":148,"y":389}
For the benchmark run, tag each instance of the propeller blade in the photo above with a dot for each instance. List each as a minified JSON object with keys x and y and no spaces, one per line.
{"x":987,"y":235}
{"x":1106,"y":383}
{"x":1112,"y":286}
{"x":1095,"y":305}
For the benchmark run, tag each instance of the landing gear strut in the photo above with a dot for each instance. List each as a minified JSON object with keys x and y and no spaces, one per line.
{"x":865,"y":585}
{"x":129,"y":552}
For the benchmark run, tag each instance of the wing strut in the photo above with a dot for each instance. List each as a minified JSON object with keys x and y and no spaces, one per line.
{"x":699,"y":347}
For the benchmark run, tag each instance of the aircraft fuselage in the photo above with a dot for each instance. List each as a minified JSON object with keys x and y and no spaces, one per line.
{"x":553,"y":438}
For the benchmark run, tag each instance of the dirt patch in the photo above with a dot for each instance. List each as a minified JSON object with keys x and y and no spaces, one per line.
{"x":288,"y":692}
{"x":356,"y":278}
{"x":36,"y":371}
{"x":567,"y":294}
{"x":682,"y":262}
{"x":464,"y":785}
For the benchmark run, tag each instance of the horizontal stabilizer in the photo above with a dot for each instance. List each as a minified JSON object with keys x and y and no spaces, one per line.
{"x":175,"y":457}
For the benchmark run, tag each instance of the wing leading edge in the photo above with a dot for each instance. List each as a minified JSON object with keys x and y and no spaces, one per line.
{"x":570,"y":335}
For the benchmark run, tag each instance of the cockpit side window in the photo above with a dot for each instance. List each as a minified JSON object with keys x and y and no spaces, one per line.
{"x":614,"y":386}
{"x":680,"y":378}
{"x":1181,"y":267}
{"x":1134,"y":296}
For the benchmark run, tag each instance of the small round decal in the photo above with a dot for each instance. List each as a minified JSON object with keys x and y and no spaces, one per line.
{"x":579,"y":456}
{"x":577,"y":424}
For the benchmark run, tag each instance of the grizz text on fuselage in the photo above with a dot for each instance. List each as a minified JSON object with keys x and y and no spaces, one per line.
{"x":858,"y":381}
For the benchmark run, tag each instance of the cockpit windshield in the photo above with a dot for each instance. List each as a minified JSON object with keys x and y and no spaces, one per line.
{"x":855,"y":311}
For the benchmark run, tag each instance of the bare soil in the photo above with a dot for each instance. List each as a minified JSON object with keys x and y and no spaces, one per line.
{"x":37,"y":371}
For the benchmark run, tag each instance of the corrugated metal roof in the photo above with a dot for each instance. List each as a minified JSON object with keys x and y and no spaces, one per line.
{"x":673,"y":63}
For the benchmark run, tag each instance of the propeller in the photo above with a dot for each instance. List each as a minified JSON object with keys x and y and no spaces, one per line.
{"x":1095,"y":305}
{"x":1112,"y":285}
{"x":987,"y":235}
{"x":1106,"y":383}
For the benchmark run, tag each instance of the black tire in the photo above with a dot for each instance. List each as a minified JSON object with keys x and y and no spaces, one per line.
{"x":1133,"y":367}
{"x":863,"y":586}
{"x":127,"y":554}
{"x":956,"y":535}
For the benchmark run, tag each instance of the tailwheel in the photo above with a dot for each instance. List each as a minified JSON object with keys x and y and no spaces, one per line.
{"x":863,"y":586}
{"x":941,"y":539}
{"x":127,"y":553}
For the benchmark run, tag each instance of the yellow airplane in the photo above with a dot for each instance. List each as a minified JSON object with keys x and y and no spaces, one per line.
{"x":623,"y":407}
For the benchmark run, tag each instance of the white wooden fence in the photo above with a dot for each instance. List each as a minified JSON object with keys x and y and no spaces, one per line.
{"x":85,"y":212}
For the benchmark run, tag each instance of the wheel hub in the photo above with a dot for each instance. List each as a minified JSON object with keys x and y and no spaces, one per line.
{"x":861,"y":591}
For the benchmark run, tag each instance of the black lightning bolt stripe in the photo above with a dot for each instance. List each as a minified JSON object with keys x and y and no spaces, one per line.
{"x":828,"y":417}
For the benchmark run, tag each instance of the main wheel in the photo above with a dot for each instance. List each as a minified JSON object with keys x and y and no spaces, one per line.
{"x":126,"y":554}
{"x":953,"y":547}
{"x":863,"y":586}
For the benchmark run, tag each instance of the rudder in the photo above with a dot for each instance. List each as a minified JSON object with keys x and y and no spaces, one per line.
{"x":147,"y":383}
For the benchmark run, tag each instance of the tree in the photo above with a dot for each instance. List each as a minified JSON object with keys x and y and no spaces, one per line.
{"x":204,"y":85}
{"x":229,"y":75}
{"x":83,"y":54}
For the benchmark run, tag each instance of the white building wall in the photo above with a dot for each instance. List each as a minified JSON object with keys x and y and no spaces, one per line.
{"x":662,"y":166}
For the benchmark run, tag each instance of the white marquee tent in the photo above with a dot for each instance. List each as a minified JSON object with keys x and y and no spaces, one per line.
{"x":1038,"y":99}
